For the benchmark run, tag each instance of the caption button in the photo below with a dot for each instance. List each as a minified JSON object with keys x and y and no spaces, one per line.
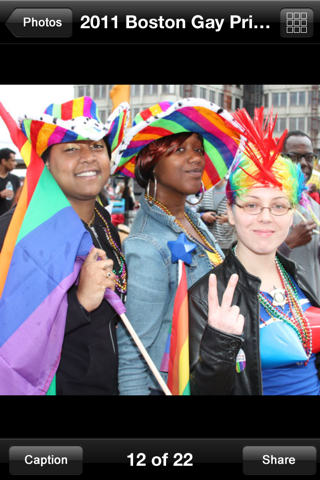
{"x":40,"y":22}
{"x":279,"y":460}
{"x":45,"y":460}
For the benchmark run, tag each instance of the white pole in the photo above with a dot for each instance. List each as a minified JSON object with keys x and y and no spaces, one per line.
{"x":145,"y":354}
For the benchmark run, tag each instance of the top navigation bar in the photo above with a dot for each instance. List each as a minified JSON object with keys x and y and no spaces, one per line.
{"x":160,"y":22}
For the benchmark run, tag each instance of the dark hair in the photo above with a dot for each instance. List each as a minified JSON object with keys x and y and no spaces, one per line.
{"x":6,"y":153}
{"x":151,"y":154}
{"x":294,"y":133}
{"x":46,"y":153}
{"x":108,"y":146}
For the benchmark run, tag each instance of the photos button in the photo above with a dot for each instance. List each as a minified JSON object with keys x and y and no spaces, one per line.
{"x":40,"y":22}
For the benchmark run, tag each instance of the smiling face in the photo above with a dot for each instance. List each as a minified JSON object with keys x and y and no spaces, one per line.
{"x":180,"y":172}
{"x":81,"y":168}
{"x":261,"y":234}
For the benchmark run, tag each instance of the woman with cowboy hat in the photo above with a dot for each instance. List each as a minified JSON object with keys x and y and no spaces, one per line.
{"x":257,"y":332}
{"x":76,"y":149}
{"x":173,"y":150}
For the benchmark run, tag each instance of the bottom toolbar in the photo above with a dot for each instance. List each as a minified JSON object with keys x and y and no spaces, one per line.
{"x":82,"y":456}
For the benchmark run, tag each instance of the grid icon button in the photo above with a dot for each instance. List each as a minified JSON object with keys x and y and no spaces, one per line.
{"x":296,"y":22}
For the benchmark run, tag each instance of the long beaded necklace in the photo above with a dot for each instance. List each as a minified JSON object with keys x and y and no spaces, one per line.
{"x":214,"y":256}
{"x":296,"y":310}
{"x":121,"y":277}
{"x":298,"y":321}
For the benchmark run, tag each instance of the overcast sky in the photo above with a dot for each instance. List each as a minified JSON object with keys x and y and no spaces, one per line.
{"x":21,"y":99}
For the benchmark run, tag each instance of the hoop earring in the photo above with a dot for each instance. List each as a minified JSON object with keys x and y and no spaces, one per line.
{"x":154,"y":193}
{"x":202,"y":193}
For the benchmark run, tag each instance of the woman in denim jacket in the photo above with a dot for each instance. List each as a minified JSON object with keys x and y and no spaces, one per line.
{"x":170,"y":166}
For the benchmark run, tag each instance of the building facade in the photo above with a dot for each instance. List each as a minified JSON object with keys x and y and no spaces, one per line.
{"x":144,"y":96}
{"x":295,"y":105}
{"x":297,"y":109}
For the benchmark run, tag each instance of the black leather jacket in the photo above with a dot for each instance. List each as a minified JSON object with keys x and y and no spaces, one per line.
{"x":212,"y":352}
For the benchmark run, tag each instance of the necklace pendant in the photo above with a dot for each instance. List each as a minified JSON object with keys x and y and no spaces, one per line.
{"x":279,"y":297}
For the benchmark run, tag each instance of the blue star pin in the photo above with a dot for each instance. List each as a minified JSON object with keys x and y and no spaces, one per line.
{"x":181,"y":249}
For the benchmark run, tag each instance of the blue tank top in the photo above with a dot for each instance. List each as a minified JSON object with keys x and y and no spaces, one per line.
{"x":282,"y":357}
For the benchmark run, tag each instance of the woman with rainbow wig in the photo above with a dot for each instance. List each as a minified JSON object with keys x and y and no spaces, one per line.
{"x":253,"y":323}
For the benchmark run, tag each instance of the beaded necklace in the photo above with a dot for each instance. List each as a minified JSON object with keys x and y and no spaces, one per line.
{"x":214,"y":256}
{"x":121,"y":277}
{"x":298,"y":321}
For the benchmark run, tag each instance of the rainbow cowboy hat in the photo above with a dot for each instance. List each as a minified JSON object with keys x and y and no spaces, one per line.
{"x":72,"y":121}
{"x":196,"y":115}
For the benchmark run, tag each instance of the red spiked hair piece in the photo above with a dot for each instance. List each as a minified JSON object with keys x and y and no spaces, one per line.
{"x":261,"y":147}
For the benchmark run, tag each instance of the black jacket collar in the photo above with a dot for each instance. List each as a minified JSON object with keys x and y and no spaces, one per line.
{"x":252,"y":283}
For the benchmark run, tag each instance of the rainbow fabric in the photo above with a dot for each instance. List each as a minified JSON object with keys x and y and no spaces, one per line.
{"x":188,"y":115}
{"x":179,"y":373}
{"x":39,"y":261}
{"x":73,"y":121}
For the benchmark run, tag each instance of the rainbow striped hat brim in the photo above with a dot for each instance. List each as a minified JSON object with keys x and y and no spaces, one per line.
{"x":196,"y":115}
{"x":73,"y":121}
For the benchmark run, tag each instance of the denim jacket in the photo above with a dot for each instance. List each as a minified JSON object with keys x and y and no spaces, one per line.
{"x":152,"y":284}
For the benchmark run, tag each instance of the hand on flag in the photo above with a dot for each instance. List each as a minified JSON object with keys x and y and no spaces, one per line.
{"x":95,"y":278}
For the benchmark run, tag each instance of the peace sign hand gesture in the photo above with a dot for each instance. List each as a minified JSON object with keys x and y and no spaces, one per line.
{"x":225,"y":318}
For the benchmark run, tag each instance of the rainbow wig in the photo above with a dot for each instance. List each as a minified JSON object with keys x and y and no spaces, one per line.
{"x":245,"y":174}
{"x":261,"y":164}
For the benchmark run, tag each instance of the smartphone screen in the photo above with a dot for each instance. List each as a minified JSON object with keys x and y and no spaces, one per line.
{"x":56,"y":51}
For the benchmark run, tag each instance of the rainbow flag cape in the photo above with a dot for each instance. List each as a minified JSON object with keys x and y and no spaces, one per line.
{"x":41,"y":257}
{"x":179,"y":372}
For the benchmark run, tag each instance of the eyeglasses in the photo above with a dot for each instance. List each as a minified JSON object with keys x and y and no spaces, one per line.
{"x":296,"y":157}
{"x":277,"y":209}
